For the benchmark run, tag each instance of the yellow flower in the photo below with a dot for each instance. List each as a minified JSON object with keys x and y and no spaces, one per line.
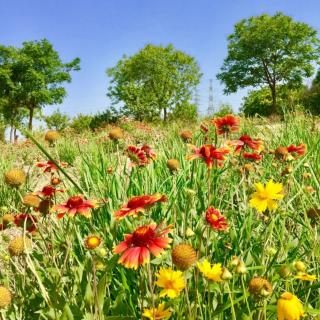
{"x":265,"y":197}
{"x":305,"y":277}
{"x":171,"y":281}
{"x":91,"y":242}
{"x":289,"y":307}
{"x":157,"y":313}
{"x":213,"y":272}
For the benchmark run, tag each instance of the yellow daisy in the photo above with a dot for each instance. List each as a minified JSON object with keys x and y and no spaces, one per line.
{"x":213,"y":272}
{"x":157,"y":313}
{"x":305,"y":277}
{"x":289,"y":307}
{"x":171,"y":281}
{"x":265,"y":197}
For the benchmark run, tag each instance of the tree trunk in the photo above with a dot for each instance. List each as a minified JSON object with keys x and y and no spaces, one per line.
{"x":274,"y":100}
{"x":15,"y":135}
{"x":165,"y":114}
{"x":31,"y":109}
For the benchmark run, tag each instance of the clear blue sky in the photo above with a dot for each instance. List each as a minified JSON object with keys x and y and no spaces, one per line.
{"x":101,"y":31}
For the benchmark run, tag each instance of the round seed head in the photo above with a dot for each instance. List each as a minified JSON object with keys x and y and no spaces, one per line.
{"x":19,"y":246}
{"x":173,"y":164}
{"x":52,"y":136}
{"x":184,"y":256}
{"x":15,"y":177}
{"x":5,"y":297}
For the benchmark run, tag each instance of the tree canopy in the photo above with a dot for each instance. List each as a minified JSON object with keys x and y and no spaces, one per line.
{"x":32,"y":77}
{"x":153,"y":81}
{"x":269,"y":50}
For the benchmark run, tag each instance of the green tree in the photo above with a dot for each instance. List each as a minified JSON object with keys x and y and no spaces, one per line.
{"x":33,"y":76}
{"x":81,"y":122}
{"x":269,"y":50}
{"x":111,"y":115}
{"x":259,"y":102}
{"x":185,"y":111}
{"x":311,"y":96}
{"x":153,"y":81}
{"x":57,"y":120}
{"x":224,"y":109}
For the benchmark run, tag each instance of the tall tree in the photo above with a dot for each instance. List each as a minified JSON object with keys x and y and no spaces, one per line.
{"x":33,"y":76}
{"x":269,"y":50}
{"x":153,"y":81}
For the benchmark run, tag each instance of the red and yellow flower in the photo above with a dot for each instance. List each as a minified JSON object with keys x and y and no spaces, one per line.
{"x":252,"y":156}
{"x":297,"y":151}
{"x":48,"y":191}
{"x":216,"y":220}
{"x":139,"y":204}
{"x":137,"y":156}
{"x":136,"y":248}
{"x":246,"y":141}
{"x":209,"y":154}
{"x":26,"y":221}
{"x":50,"y":166}
{"x":149,"y":152}
{"x":226,"y":124}
{"x":75,"y":205}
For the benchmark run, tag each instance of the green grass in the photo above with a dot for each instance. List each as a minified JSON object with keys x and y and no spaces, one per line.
{"x":57,"y":279}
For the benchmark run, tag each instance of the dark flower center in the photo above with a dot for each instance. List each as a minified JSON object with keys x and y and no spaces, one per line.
{"x":74,"y":202}
{"x":143,"y":236}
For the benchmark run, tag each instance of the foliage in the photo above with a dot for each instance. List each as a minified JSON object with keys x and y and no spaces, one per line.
{"x":185,"y":111}
{"x":153,"y":81}
{"x":259,"y":102}
{"x":269,"y":50}
{"x":57,"y":120}
{"x":223,"y":110}
{"x":81,"y":122}
{"x":311,"y":96}
{"x":109,"y":116}
{"x":32,"y":76}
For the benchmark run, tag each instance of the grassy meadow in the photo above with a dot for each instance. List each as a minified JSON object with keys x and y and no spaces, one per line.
{"x":57,"y":272}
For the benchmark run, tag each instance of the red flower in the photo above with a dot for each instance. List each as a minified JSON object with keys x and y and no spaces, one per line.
{"x":137,"y":156}
{"x":216,"y":220}
{"x":226,"y":124}
{"x":138,"y":204}
{"x":209,"y":154}
{"x":252,"y":156}
{"x":297,"y":151}
{"x":75,"y":205}
{"x":247,"y":141}
{"x":49,"y":166}
{"x":136,"y":247}
{"x":149,"y":152}
{"x":27,"y":221}
{"x":48,"y":191}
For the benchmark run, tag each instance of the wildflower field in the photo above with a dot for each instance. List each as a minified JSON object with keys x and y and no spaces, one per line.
{"x":211,"y":220}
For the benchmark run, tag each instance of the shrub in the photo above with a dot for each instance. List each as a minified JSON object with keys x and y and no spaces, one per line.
{"x":101,"y":119}
{"x":81,"y":122}
{"x":223,"y":110}
{"x":57,"y":120}
{"x":184,"y":111}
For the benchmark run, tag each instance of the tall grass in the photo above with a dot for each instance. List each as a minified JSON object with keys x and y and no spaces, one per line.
{"x":61,"y":279}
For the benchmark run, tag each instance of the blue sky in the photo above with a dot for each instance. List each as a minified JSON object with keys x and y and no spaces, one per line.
{"x":101,"y":31}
